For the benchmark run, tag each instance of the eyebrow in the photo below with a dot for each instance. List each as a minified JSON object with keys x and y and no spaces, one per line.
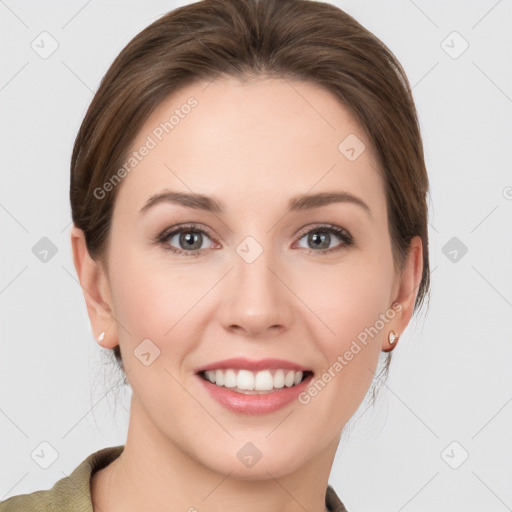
{"x":210,"y":204}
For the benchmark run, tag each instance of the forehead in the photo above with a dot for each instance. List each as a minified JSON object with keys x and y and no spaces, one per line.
{"x":252,"y":143}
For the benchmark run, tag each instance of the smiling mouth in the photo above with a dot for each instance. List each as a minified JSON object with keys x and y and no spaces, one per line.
{"x":261,"y":382}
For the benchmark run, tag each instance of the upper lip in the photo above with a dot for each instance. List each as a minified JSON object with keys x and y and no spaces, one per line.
{"x":242,"y":363}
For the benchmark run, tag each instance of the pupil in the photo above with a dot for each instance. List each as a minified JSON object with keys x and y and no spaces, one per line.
{"x":190,"y":239}
{"x":320,"y":238}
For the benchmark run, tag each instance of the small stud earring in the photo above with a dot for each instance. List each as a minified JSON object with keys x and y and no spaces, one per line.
{"x":101,"y":336}
{"x":392,"y":337}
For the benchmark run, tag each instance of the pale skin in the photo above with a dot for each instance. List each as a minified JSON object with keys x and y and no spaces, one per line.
{"x":253,"y":146}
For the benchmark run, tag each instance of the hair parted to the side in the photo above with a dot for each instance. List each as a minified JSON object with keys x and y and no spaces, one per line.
{"x":303,"y":40}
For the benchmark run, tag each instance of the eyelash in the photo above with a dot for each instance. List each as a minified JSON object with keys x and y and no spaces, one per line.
{"x":343,"y":234}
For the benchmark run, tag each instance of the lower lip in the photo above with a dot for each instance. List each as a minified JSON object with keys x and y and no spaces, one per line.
{"x":255,"y":404}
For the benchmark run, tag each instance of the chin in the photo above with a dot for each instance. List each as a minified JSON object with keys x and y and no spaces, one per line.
{"x":249,"y":464}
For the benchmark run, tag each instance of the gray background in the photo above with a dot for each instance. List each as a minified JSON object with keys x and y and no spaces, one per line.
{"x":449,"y":393}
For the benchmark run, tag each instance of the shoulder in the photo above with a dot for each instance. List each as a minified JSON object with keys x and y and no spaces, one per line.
{"x":69,"y":494}
{"x":35,"y":501}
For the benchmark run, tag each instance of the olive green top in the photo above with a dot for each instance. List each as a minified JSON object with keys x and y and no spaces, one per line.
{"x":73,"y":493}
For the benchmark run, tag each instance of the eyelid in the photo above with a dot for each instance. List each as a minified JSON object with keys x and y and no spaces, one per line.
{"x":167,"y":233}
{"x":343,"y":234}
{"x":328,"y":227}
{"x":340,"y":232}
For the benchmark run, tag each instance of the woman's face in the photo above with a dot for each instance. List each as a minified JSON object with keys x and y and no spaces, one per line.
{"x":251,"y":279}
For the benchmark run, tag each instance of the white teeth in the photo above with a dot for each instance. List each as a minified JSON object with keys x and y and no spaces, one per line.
{"x":279,"y":379}
{"x":219,"y":377}
{"x":244,"y":380}
{"x":230,"y":378}
{"x":264,"y":380}
{"x":289,"y":379}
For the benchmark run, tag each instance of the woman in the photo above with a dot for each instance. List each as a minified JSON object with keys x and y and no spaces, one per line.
{"x":248,"y":192}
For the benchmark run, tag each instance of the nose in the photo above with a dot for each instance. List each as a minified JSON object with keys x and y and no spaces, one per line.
{"x":255,"y":299}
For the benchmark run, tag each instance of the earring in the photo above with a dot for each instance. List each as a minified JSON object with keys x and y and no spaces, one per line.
{"x":101,"y":336}
{"x":392,"y":337}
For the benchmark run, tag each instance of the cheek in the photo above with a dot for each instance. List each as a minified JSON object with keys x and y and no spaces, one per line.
{"x":148,"y":303}
{"x":150,"y":309}
{"x":349,"y":297}
{"x":162,"y":303}
{"x":357,"y":310}
{"x":149,"y":291}
{"x":140,"y":301}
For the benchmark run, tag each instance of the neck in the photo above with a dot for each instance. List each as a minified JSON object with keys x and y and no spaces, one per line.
{"x":153,"y":474}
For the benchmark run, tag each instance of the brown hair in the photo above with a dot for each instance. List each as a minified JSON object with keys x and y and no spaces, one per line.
{"x":299,"y":39}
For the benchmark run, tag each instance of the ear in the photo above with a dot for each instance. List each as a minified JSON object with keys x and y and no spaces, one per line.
{"x":94,"y":282}
{"x":407,"y":289}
